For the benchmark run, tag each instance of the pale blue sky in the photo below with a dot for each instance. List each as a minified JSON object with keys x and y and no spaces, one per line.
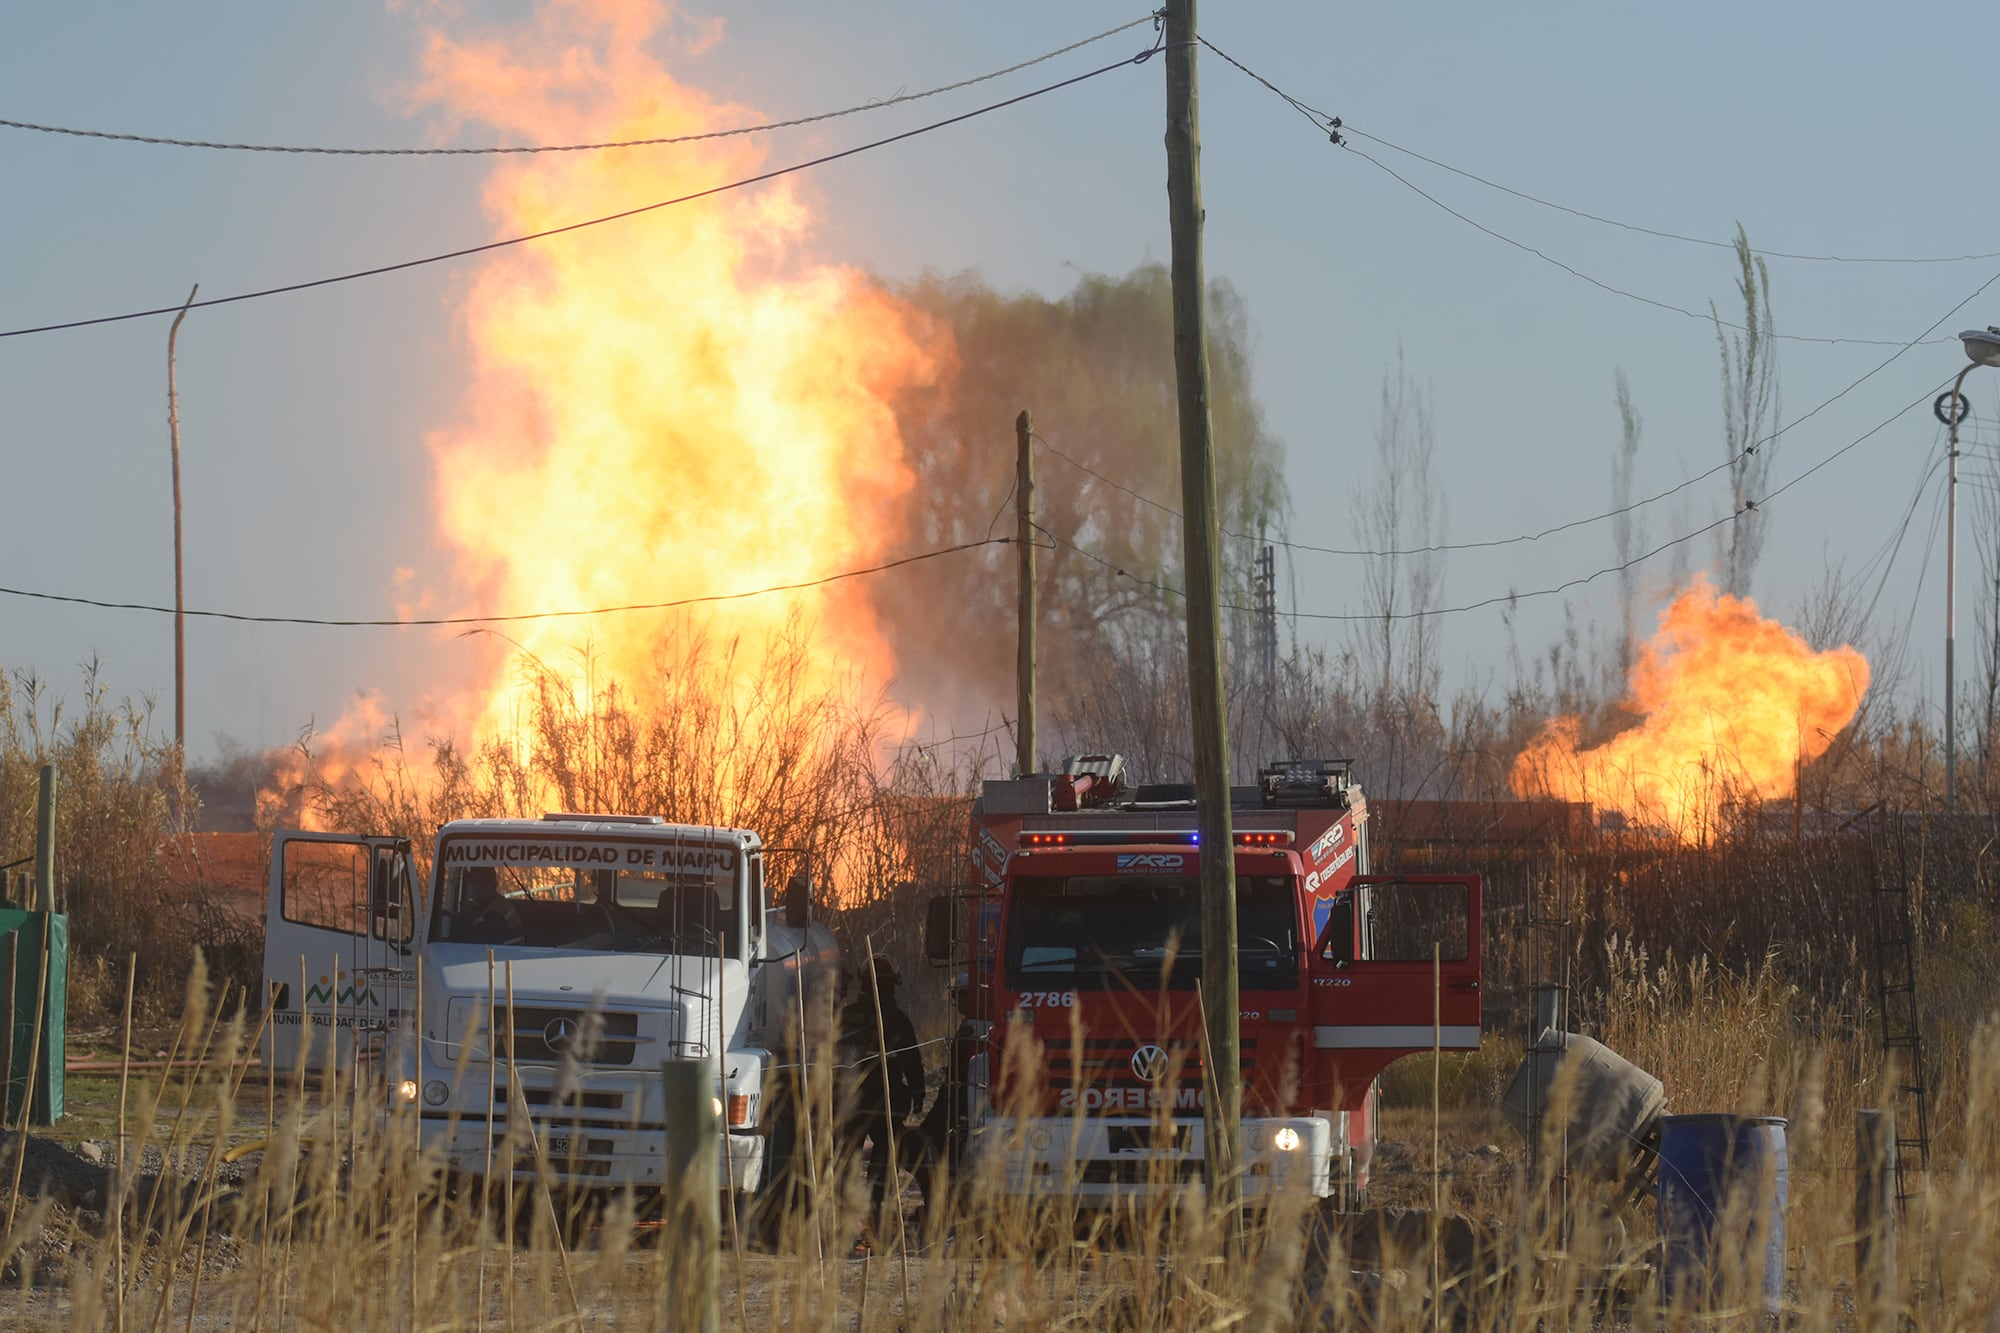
{"x":1831,"y":129}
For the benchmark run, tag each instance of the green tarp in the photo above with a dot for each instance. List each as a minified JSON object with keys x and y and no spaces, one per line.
{"x":34,"y":1066}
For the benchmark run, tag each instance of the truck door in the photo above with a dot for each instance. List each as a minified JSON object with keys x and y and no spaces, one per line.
{"x":1403,"y":956}
{"x":339,"y":942}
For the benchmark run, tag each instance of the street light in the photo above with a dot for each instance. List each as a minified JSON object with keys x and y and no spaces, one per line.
{"x":1982,"y":348}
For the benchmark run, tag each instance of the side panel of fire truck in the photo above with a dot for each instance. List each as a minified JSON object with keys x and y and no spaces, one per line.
{"x":1396,"y":972}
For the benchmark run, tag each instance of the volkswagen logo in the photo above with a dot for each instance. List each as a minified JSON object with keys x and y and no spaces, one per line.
{"x":560,"y":1032}
{"x":1149,"y":1063}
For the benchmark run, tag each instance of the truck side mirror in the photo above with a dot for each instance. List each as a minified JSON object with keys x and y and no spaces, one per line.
{"x":937,"y":932}
{"x":798,"y":901}
{"x":1336,"y":942}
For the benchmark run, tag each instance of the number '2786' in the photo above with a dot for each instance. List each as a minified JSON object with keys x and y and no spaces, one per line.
{"x":1048,"y":999}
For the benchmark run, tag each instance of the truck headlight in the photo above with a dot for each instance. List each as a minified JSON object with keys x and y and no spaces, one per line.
{"x":436,"y":1092}
{"x":406,"y":1091}
{"x":1286,"y":1139}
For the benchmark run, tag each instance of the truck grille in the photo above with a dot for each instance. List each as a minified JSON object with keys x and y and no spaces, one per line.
{"x":543,"y":1034}
{"x":1141,"y":1171}
{"x":1107,"y":1063}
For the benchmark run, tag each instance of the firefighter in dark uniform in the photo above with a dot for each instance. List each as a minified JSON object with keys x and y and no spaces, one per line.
{"x":873,"y":1023}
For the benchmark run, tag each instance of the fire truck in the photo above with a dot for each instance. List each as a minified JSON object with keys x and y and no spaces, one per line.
{"x":1078,"y":946}
{"x":520,"y":1008}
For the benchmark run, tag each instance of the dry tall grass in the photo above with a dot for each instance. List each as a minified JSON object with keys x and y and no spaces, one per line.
{"x":309,"y":1205}
{"x":1740,"y":972}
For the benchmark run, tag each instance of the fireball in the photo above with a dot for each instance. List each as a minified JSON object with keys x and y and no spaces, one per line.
{"x":1730,"y":705}
{"x":677,"y":405}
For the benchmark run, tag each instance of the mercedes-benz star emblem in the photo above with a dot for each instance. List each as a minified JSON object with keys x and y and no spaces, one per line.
{"x":558,"y":1034}
{"x":1149,"y":1062}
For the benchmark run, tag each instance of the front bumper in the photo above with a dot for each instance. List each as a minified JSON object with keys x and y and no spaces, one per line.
{"x":587,"y":1128}
{"x":582,"y":1156}
{"x":1098,"y":1162}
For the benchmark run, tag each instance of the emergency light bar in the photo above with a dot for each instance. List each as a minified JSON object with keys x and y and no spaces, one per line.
{"x":1169,"y":837}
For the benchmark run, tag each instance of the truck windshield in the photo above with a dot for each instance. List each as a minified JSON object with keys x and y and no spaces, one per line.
{"x":502,"y":893}
{"x":1103,"y":932}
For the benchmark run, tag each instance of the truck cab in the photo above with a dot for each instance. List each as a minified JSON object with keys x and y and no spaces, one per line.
{"x":522,"y":1002}
{"x":1081,"y":945}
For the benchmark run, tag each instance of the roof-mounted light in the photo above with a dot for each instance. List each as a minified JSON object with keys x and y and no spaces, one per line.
{"x":1264,"y":838}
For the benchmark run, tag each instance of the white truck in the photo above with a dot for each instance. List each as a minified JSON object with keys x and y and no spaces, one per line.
{"x":544,"y":974}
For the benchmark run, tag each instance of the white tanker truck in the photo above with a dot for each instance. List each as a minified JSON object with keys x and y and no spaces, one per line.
{"x":541,"y":979}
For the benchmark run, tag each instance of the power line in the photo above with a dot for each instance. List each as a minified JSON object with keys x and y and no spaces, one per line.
{"x":1669,"y":235}
{"x":1892,"y":548}
{"x":1436,"y":548}
{"x":1512,"y":597}
{"x":762,"y":128}
{"x":1554,"y":529}
{"x":1334,"y":128}
{"x":470,"y":250}
{"x":1593,"y":576}
{"x":1335,"y":125}
{"x":1493,"y":543}
{"x":1599,"y":283}
{"x":1923,"y":563}
{"x":513,"y":617}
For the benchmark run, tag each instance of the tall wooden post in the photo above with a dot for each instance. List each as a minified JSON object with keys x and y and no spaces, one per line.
{"x":1025,"y":760}
{"x":694,"y":1230}
{"x":180,"y":605}
{"x":1876,"y":1298}
{"x":45,"y":844}
{"x":1220,"y":1040}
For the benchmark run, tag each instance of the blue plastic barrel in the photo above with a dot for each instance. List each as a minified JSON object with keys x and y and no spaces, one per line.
{"x":1705,"y":1162}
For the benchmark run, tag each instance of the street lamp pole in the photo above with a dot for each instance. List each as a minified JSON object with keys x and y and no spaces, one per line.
{"x":1982,"y":347}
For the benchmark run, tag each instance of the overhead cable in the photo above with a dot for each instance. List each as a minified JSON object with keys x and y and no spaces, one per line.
{"x":1708,"y":241}
{"x":1335,"y":130}
{"x":517,"y":616}
{"x":1492,"y":543}
{"x":660,"y":141}
{"x":1708,"y":317}
{"x":1512,"y":597}
{"x":1335,"y":123}
{"x":470,"y":250}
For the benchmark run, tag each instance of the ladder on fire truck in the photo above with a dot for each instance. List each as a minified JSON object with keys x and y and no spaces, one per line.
{"x":1902,"y":1034}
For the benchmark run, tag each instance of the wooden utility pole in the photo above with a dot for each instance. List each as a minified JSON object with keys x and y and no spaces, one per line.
{"x":1025,"y":761}
{"x":1220,"y":1039}
{"x":180,"y":605}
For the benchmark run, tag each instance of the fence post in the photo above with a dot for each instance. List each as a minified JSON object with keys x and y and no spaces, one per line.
{"x":1875,"y":1288}
{"x":694,"y":1231}
{"x":45,"y":844}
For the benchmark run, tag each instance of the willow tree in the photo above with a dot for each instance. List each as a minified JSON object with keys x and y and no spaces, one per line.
{"x":1096,"y":367}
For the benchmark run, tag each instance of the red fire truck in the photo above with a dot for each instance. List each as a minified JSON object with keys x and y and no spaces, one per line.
{"x":1078,"y":938}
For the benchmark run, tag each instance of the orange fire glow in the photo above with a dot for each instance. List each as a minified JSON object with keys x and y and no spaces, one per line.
{"x":674,"y":405}
{"x":1730,"y":704}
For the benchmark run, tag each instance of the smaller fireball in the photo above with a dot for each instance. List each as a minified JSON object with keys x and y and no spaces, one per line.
{"x":1730,"y":704}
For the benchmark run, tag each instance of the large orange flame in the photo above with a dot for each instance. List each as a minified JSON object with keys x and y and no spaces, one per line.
{"x":670,"y":406}
{"x":1730,"y":704}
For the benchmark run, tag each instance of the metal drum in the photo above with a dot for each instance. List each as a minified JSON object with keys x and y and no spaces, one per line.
{"x":1708,"y":1163}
